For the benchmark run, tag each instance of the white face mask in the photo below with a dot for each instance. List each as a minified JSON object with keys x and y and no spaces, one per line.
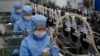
{"x":27,"y":17}
{"x":19,"y":10}
{"x":39,"y":34}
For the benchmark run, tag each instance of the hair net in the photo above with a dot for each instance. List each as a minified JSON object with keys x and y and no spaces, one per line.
{"x":27,"y":9}
{"x":17,"y":5}
{"x":38,"y":20}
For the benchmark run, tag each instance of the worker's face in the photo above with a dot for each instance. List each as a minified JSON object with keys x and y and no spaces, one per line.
{"x":28,"y":16}
{"x":18,"y":10}
{"x":40,"y":31}
{"x":41,"y":28}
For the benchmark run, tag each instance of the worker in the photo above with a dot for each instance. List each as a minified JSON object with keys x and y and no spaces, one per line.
{"x":38,"y":42}
{"x":16,"y":14}
{"x":24,"y":24}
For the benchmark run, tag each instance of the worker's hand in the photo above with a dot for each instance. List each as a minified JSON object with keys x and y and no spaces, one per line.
{"x":25,"y":32}
{"x":46,"y":54}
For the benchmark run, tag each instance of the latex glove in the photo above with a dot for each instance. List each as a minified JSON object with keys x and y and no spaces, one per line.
{"x":46,"y":52}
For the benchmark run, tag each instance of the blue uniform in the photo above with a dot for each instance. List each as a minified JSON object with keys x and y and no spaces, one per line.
{"x":15,"y":15}
{"x":23,"y":24}
{"x":34,"y":46}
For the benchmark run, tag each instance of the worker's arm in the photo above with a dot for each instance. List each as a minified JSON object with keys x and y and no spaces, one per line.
{"x":54,"y":51}
{"x":24,"y":49}
{"x":16,"y":27}
{"x":13,"y":19}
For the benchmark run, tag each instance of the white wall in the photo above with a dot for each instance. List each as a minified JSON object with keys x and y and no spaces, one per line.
{"x":73,"y":3}
{"x":7,"y":5}
{"x":62,"y":3}
{"x":52,"y":1}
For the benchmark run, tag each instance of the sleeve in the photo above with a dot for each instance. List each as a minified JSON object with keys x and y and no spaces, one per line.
{"x":24,"y":49}
{"x":54,"y":51}
{"x":13,"y":19}
{"x":16,"y":27}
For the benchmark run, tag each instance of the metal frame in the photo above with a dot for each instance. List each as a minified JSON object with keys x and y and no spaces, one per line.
{"x":91,"y":38}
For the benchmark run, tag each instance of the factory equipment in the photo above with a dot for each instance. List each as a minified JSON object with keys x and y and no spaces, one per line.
{"x":76,"y":43}
{"x":71,"y":41}
{"x":81,"y":43}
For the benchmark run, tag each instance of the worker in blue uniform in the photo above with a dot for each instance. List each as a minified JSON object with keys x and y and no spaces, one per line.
{"x":16,"y":14}
{"x":38,"y":42}
{"x":24,"y":24}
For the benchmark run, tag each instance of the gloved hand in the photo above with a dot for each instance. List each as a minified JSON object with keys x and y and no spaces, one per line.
{"x":46,"y":52}
{"x":25,"y":33}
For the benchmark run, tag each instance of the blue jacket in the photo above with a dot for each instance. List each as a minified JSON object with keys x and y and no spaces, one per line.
{"x":33,"y":46}
{"x":22,"y":25}
{"x":15,"y":16}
